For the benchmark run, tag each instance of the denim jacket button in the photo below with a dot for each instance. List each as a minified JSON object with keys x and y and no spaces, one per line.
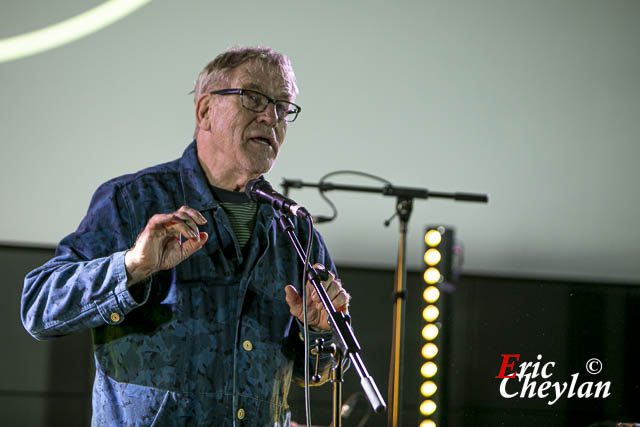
{"x":240,"y":413}
{"x":247,"y":345}
{"x":115,"y":317}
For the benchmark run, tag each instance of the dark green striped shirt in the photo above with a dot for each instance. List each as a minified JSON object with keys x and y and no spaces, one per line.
{"x":240,"y":211}
{"x":242,"y":217}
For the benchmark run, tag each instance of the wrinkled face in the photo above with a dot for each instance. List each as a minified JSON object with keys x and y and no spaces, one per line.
{"x":246,"y":140}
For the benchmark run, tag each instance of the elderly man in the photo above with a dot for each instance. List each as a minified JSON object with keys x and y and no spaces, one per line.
{"x":182,"y":279}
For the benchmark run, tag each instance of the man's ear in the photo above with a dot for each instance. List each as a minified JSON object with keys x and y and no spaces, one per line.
{"x":203,"y":109}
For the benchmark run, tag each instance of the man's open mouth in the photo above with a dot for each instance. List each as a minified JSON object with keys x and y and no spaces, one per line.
{"x":262,"y":140}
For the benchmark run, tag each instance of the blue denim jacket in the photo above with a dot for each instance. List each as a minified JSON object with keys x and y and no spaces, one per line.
{"x":209,"y":342}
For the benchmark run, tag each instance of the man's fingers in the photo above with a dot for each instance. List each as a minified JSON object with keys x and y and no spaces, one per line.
{"x":338,"y":300}
{"x":291,"y":294}
{"x":160,"y":223}
{"x":189,"y":222}
{"x":336,"y":293}
{"x":194,"y":214}
{"x":321,"y":267}
{"x":178,"y":226}
{"x":192,"y":245}
{"x":293,"y":299}
{"x":310,"y":292}
{"x":184,"y":221}
{"x":190,"y":218}
{"x":341,"y":300}
{"x":339,"y":296}
{"x":332,"y":286}
{"x":178,"y":222}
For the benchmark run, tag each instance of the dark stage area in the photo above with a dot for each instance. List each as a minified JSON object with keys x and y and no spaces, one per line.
{"x":568,"y":323}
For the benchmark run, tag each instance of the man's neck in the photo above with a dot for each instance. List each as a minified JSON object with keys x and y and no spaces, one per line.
{"x":227,"y":180}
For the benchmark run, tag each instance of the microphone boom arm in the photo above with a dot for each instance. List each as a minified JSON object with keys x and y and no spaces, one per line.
{"x":388,"y":190}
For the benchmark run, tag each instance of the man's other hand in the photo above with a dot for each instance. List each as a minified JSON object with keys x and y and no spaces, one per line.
{"x":160,"y":246}
{"x":316,"y":314}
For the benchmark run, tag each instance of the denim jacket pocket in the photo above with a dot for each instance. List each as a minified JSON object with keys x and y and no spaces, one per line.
{"x":144,"y":406}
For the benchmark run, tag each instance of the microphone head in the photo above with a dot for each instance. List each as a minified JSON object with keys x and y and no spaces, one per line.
{"x":257,"y":184}
{"x":259,"y":190}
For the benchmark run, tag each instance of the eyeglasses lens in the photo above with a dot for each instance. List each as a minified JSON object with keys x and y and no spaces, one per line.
{"x":258,"y":102}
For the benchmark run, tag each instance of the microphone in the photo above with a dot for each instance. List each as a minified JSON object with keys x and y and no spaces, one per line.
{"x":259,"y":190}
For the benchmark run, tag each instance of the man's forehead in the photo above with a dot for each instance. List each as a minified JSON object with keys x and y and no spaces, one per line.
{"x":266,"y":78}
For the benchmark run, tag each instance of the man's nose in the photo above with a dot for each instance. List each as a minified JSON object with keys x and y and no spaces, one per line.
{"x":269,"y":116}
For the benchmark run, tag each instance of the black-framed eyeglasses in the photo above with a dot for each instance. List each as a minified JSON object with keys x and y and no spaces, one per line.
{"x":258,"y":102}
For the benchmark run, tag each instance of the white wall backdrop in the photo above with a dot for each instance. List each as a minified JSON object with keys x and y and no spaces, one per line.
{"x":534,"y":102}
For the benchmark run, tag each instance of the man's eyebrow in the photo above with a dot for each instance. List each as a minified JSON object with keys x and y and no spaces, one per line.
{"x":284,"y":95}
{"x":253,"y":86}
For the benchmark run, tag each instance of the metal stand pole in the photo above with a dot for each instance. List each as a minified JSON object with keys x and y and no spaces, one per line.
{"x":336,"y":378}
{"x":403,"y":209}
{"x":336,"y":375}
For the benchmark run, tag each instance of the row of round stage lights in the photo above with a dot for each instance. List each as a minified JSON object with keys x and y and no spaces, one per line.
{"x":431,"y":295}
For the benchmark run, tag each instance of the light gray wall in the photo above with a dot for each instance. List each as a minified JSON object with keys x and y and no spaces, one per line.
{"x":534,"y":102}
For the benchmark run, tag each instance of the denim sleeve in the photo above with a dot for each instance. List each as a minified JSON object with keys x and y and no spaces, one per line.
{"x":85,"y":284}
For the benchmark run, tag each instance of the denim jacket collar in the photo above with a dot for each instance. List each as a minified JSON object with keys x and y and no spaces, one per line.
{"x":194,"y":182}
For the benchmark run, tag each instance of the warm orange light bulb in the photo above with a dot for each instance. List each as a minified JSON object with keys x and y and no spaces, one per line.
{"x":431,"y":294}
{"x":428,"y":369}
{"x":432,"y":256}
{"x":430,"y":313}
{"x":428,"y":407}
{"x":433,"y":238}
{"x":428,"y":388}
{"x":429,"y":350}
{"x":430,"y":332}
{"x":432,"y":275}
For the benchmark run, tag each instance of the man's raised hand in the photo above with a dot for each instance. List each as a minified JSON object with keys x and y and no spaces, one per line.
{"x":316,"y":314}
{"x":160,"y":247}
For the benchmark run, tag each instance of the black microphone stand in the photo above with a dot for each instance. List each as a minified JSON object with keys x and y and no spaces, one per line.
{"x":404,"y":205}
{"x":336,"y":376}
{"x":346,"y":344}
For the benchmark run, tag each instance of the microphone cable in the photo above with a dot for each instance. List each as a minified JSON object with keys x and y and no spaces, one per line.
{"x":307,"y":390}
{"x":334,"y":210}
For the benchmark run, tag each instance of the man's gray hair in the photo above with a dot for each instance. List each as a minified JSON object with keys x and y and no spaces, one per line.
{"x":220,"y":68}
